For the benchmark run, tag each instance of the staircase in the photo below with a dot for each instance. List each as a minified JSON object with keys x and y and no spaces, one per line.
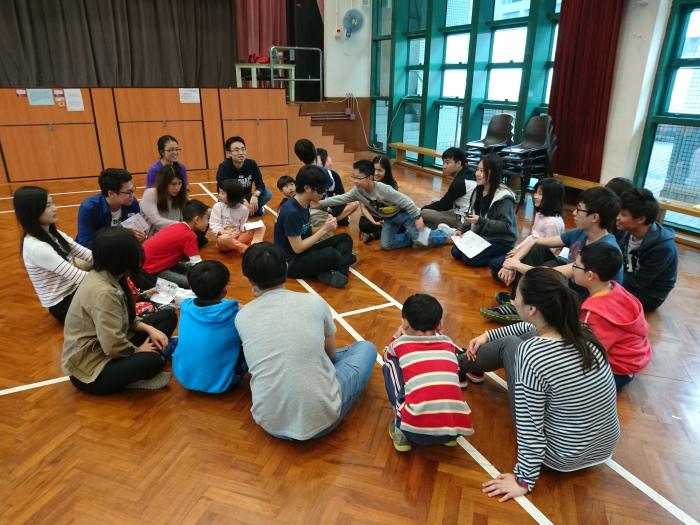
{"x":301,"y":127}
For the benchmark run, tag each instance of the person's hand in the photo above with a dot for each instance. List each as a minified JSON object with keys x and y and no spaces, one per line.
{"x":472,"y":219}
{"x":378,"y":222}
{"x":475,"y":344}
{"x":505,"y":484}
{"x":457,"y":233}
{"x":511,"y":263}
{"x":147,"y":346}
{"x":158,"y":338}
{"x":81,"y":264}
{"x":399,"y":332}
{"x":330,"y":224}
{"x":506,"y":275}
{"x":419,"y":223}
{"x":253,"y":204}
{"x":141,"y":236}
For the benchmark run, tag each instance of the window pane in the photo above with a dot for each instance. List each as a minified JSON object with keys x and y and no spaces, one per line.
{"x":381,"y":122}
{"x":415,"y":83}
{"x":549,"y":86}
{"x":504,"y":84}
{"x":454,"y":83}
{"x":674,"y":168}
{"x":449,"y":128}
{"x":382,"y":65}
{"x":417,"y":11}
{"x":488,"y":115}
{"x":509,"y":45}
{"x":503,"y":9}
{"x":553,"y":53}
{"x":557,"y":6}
{"x":384,"y":13}
{"x":685,"y":95}
{"x":416,"y":51}
{"x":457,"y":49}
{"x":411,"y":127}
{"x":459,"y":12}
{"x":691,"y":44}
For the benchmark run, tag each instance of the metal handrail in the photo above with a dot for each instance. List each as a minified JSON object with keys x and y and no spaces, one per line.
{"x":274,"y":49}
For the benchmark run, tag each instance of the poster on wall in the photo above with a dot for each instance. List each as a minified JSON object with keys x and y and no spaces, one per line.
{"x":74,"y":100}
{"x":40,"y":97}
{"x":189,"y":95}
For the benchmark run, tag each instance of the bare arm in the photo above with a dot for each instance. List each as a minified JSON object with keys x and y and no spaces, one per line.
{"x":300,"y":245}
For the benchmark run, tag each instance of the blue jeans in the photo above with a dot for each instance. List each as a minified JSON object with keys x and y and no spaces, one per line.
{"x":353,"y":368}
{"x":496,"y":249}
{"x":393,"y":237}
{"x":263,"y":199}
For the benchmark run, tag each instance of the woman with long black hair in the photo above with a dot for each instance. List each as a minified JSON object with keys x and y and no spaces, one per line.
{"x":560,"y":385}
{"x":163,"y":203}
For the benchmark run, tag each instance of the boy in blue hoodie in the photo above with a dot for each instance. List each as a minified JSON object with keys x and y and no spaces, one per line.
{"x":208,"y":357}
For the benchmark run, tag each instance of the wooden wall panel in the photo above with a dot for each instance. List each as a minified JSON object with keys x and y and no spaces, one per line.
{"x":252,"y":104}
{"x":3,"y":173}
{"x":266,"y":140}
{"x":107,"y":129}
{"x":16,"y":111}
{"x":139,"y":143}
{"x":214,"y":139}
{"x":153,"y":104}
{"x":50,"y":152}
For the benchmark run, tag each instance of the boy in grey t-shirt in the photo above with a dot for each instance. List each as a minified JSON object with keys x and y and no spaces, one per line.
{"x":302,"y":386}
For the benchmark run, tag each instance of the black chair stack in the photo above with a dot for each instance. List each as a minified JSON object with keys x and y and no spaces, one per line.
{"x":499,"y":135}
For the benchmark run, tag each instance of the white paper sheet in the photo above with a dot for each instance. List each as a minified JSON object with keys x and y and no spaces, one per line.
{"x":470,"y":244}
{"x":253,"y":225}
{"x":165,"y":292}
{"x":136,"y":222}
{"x":74,"y":100}
{"x":189,"y":95}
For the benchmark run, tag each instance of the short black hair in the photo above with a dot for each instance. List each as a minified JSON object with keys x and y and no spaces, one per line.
{"x":364,"y":166}
{"x":112,"y":179}
{"x":640,"y":202}
{"x":456,"y":154}
{"x":265,"y":265}
{"x":602,"y":201}
{"x":231,"y":140}
{"x":305,"y":151}
{"x":192,"y":209}
{"x":552,"y":203}
{"x":602,"y":258}
{"x":422,"y":312}
{"x":619,"y":185}
{"x":208,"y":279}
{"x":283,"y":181}
{"x":116,"y":250}
{"x":322,"y":154}
{"x":312,"y":176}
{"x":233,"y":189}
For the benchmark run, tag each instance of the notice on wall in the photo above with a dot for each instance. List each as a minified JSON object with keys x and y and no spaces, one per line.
{"x":40,"y":97}
{"x":74,"y":100}
{"x":189,"y":95}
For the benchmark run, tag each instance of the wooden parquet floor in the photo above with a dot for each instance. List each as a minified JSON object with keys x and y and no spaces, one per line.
{"x":173,"y":456}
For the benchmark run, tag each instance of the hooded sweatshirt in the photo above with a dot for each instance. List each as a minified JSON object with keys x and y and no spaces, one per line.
{"x":208,"y":346}
{"x":617,"y":319}
{"x":498,"y":223}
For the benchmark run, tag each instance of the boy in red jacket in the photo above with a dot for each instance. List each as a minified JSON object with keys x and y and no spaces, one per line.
{"x":614,"y":315}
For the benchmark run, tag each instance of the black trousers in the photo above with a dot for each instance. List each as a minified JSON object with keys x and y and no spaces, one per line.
{"x":367,"y":227}
{"x":332,"y":254}
{"x":60,"y":310}
{"x":142,"y":365}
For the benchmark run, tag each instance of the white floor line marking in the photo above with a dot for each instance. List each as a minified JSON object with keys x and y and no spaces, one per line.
{"x":376,"y":288}
{"x":497,"y":379}
{"x":33,"y":385}
{"x":651,"y":493}
{"x":484,"y":463}
{"x":208,"y":192}
{"x":364,"y":310}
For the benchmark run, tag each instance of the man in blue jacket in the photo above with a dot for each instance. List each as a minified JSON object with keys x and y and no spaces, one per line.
{"x":649,"y":251}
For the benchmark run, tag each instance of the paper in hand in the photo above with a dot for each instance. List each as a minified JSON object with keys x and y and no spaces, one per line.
{"x":136,"y":222}
{"x":253,"y":225}
{"x":470,"y":244}
{"x":165,"y":291}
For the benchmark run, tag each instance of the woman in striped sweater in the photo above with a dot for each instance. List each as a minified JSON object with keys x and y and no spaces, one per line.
{"x":560,"y":385}
{"x":56,"y":264}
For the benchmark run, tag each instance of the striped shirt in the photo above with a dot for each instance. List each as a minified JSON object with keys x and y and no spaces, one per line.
{"x":433,"y":403}
{"x":566,"y":418}
{"x":53,"y":277}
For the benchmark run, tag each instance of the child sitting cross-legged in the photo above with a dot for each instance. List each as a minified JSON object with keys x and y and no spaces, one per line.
{"x":422,"y":381}
{"x":208,"y":357}
{"x":228,"y":219}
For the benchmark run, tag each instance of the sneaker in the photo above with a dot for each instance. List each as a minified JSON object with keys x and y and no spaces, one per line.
{"x":475,"y":377}
{"x":333,"y":278}
{"x":169,"y":350}
{"x":505,"y":314}
{"x":502,"y":298}
{"x":447,"y":230}
{"x":451,"y":443}
{"x":159,"y":380}
{"x":423,"y":237}
{"x":401,"y":442}
{"x":366,"y":237}
{"x":463,"y":382}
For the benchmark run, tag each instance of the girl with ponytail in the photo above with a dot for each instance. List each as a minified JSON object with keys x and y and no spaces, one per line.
{"x":560,"y":385}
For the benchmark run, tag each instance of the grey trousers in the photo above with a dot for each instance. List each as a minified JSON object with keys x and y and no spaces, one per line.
{"x":432,"y":218}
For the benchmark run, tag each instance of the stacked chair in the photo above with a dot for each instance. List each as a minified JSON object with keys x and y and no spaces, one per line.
{"x":499,"y":135}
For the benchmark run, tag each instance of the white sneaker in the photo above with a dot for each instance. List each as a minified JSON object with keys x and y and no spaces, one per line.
{"x":423,"y":236}
{"x":447,"y":230}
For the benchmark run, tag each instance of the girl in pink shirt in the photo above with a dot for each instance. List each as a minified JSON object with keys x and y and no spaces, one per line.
{"x":228,"y":219}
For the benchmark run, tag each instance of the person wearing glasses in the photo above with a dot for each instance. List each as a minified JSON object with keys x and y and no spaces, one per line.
{"x":237,"y":166}
{"x":114,"y":204}
{"x":169,"y":151}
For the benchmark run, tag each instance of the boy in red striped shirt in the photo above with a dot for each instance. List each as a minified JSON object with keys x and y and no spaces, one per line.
{"x":422,"y":381}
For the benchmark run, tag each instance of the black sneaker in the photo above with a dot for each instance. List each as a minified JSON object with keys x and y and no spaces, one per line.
{"x":463,"y":382}
{"x":502,"y":298}
{"x":333,"y":278}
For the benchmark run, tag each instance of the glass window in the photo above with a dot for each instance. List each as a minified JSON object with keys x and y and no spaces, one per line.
{"x":557,"y":6}
{"x":411,"y":126}
{"x":548,"y":91}
{"x":415,"y":83}
{"x":416,"y":52}
{"x":487,"y":116}
{"x":417,"y":15}
{"x":459,"y":12}
{"x":674,"y":168}
{"x":554,"y":43}
{"x":691,"y":42}
{"x":382,"y":65}
{"x":381,"y":123}
{"x":504,"y":84}
{"x":457,"y":48}
{"x":384,"y":13}
{"x":503,"y":9}
{"x":685,"y":94}
{"x":449,"y":128}
{"x":454,"y":83}
{"x":509,"y":45}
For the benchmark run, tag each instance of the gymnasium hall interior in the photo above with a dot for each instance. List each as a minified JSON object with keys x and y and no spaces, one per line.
{"x":576,"y":90}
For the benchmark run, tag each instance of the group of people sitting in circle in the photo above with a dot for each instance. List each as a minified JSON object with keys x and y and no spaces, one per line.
{"x":574,"y":320}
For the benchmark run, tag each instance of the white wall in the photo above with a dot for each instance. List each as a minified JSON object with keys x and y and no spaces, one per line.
{"x":346,"y":60}
{"x":641,"y":36}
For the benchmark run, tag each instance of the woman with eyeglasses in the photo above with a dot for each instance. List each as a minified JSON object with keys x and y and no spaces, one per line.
{"x":169,"y":151}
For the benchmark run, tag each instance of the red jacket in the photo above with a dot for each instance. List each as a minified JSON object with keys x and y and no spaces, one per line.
{"x":617,"y":319}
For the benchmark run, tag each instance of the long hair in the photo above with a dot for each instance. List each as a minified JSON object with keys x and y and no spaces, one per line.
{"x":385,"y":163}
{"x":493,"y":171}
{"x":552,"y":203}
{"x":30,"y":203}
{"x":546,"y":290}
{"x":165,"y":176}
